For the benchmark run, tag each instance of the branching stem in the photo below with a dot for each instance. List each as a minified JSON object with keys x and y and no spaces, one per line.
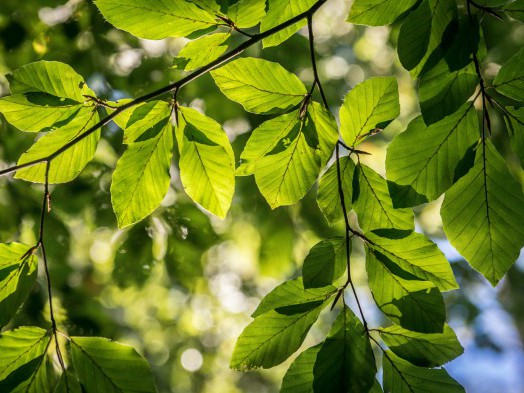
{"x":171,"y":87}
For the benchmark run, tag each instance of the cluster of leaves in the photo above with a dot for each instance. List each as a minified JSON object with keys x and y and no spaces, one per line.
{"x":444,"y":150}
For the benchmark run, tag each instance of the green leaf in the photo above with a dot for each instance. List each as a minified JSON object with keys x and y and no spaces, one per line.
{"x":325,"y":263}
{"x":147,"y":19}
{"x":67,"y":165}
{"x":49,"y":77}
{"x":17,"y":278}
{"x":264,"y":139}
{"x":481,"y":211}
{"x":274,"y":336}
{"x":261,"y":86}
{"x":405,"y":299}
{"x":68,"y":384}
{"x":328,"y":196}
{"x":510,"y":79}
{"x":141,"y":177}
{"x":299,"y":377}
{"x":423,"y":349}
{"x":515,"y":125}
{"x":515,"y":10}
{"x":22,"y":364}
{"x":280,"y":12}
{"x":201,"y":51}
{"x":423,"y":162}
{"x":422,"y":31}
{"x":34,"y":112}
{"x":247,"y":13}
{"x":442,"y":91}
{"x":369,"y":107}
{"x":345,"y":363}
{"x":326,"y":129}
{"x":373,"y":204}
{"x":139,"y":124}
{"x":378,"y":12}
{"x":107,"y":366}
{"x":286,"y":174}
{"x":293,"y":293}
{"x":415,"y":254}
{"x":207,"y":162}
{"x":402,"y":377}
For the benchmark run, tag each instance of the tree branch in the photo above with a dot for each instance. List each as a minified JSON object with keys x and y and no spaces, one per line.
{"x":171,"y":87}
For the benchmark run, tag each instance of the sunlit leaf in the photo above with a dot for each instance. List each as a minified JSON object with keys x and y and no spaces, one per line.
{"x":141,"y":177}
{"x":67,"y":165}
{"x":23,"y":365}
{"x":328,"y":196}
{"x":510,"y":79}
{"x":401,"y":376}
{"x":201,"y":51}
{"x":422,"y":349}
{"x":405,"y":299}
{"x":247,"y":13}
{"x":299,"y":377}
{"x":107,"y":366}
{"x":154,"y":21}
{"x":482,"y":215}
{"x":291,"y":293}
{"x":373,"y":204}
{"x":378,"y":12}
{"x":207,"y":166}
{"x":423,"y":162}
{"x":17,"y":277}
{"x":280,"y":12}
{"x":368,"y":108}
{"x":274,"y":336}
{"x":261,"y":86}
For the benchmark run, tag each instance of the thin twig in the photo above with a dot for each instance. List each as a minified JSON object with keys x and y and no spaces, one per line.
{"x":171,"y":87}
{"x":46,"y":206}
{"x":316,"y":81}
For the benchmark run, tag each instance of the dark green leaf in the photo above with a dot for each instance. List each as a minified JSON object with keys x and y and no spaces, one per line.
{"x":325,"y":263}
{"x":345,"y":363}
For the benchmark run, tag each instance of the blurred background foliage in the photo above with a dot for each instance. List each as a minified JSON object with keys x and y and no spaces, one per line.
{"x":181,"y":285}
